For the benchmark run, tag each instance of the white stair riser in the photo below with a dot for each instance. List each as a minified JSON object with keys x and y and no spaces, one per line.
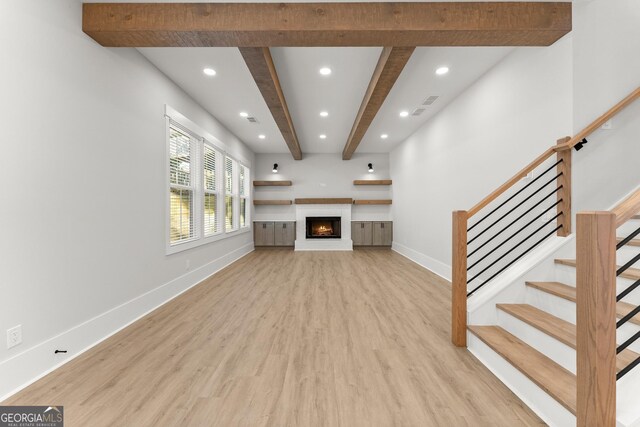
{"x":545,"y":406}
{"x":626,"y":253}
{"x":555,"y":350}
{"x":559,"y":307}
{"x":628,"y":390}
{"x":626,"y":229}
{"x":625,"y":332}
{"x":567,"y":275}
{"x":566,"y":310}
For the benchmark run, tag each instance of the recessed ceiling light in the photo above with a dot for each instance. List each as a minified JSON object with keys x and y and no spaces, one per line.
{"x":323,"y":136}
{"x":243,"y":114}
{"x":442,"y":71}
{"x":325,"y":71}
{"x":209,"y":71}
{"x":262,"y":136}
{"x":323,"y":114}
{"x":384,"y":136}
{"x":404,"y":113}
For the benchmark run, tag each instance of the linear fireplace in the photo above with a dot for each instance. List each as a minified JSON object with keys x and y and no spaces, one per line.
{"x":323,"y":227}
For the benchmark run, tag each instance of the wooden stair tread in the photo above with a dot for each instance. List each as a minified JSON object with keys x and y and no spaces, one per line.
{"x":631,"y":273}
{"x":558,"y":382}
{"x":569,"y":293}
{"x":634,"y":242}
{"x":563,"y":331}
{"x":555,"y":288}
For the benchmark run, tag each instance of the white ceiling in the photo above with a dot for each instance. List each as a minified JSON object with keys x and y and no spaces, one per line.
{"x":231,"y":91}
{"x":307,"y":92}
{"x":419,"y":81}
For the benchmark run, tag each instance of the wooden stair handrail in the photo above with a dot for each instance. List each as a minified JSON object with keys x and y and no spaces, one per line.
{"x":560,"y":147}
{"x":597,"y":123}
{"x":627,"y":209}
{"x":517,"y":177}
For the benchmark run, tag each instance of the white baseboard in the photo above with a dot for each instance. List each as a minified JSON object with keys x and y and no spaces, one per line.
{"x":34,"y":363}
{"x":441,"y":269}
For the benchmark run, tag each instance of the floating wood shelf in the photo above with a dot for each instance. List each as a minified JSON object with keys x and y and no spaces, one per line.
{"x":324,"y":201}
{"x":372,"y":202}
{"x":272,"y":202}
{"x":372,"y":182}
{"x":271,"y":183}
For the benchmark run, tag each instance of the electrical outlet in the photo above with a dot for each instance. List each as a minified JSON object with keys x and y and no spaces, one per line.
{"x":14,"y":336}
{"x":607,"y":125}
{"x":187,"y":264}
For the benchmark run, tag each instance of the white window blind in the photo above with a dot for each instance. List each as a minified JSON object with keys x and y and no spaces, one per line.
{"x":244,"y":195}
{"x":212,"y":186}
{"x":231,"y":193}
{"x":181,"y":146}
{"x":208,"y":190}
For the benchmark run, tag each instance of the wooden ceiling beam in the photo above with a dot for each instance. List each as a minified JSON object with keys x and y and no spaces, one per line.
{"x":261,"y":66}
{"x":390,"y":65}
{"x":327,"y":24}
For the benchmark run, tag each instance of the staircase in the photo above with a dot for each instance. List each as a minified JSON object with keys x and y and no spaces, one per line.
{"x":566,"y":343}
{"x":553,"y":370}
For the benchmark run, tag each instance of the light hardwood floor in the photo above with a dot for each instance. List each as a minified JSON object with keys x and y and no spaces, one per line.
{"x":285,"y":338}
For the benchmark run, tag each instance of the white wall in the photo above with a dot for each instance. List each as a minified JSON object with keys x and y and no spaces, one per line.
{"x":606,"y":68}
{"x":322,"y":175}
{"x":514,"y":112}
{"x":83,"y":148}
{"x":498,"y":125}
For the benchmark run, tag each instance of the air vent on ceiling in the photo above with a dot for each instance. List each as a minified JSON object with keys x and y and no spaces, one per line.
{"x":252,"y":119}
{"x":430,"y":100}
{"x":417,"y":111}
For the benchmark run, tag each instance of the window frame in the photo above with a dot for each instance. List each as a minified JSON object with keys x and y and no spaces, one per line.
{"x":246,"y":197}
{"x":202,"y":138}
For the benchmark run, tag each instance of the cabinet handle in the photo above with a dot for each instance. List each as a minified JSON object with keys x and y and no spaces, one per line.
{"x":264,"y":225}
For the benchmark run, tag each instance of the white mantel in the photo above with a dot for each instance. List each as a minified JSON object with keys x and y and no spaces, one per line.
{"x":343,"y":244}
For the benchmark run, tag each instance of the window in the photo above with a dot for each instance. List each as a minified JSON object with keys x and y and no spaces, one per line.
{"x":211,"y":190}
{"x":231,"y":193}
{"x":209,"y":193}
{"x":181,"y":206}
{"x":244,"y":195}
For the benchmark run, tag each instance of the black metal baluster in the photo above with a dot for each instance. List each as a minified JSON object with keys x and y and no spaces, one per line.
{"x":516,"y":194}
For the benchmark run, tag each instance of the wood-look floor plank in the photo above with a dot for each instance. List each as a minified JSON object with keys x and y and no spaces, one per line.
{"x":283,"y":338}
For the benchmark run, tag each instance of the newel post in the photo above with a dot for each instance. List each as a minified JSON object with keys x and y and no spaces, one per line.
{"x":564,"y":195}
{"x":596,"y":319}
{"x":459,"y":279}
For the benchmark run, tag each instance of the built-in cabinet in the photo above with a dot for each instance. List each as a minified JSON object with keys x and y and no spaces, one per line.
{"x":270,"y":233}
{"x":372,"y":233}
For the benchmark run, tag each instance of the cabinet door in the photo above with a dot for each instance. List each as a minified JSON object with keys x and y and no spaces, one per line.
{"x":382,"y":233}
{"x":361,"y":233}
{"x":263,"y":234}
{"x":284,"y":233}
